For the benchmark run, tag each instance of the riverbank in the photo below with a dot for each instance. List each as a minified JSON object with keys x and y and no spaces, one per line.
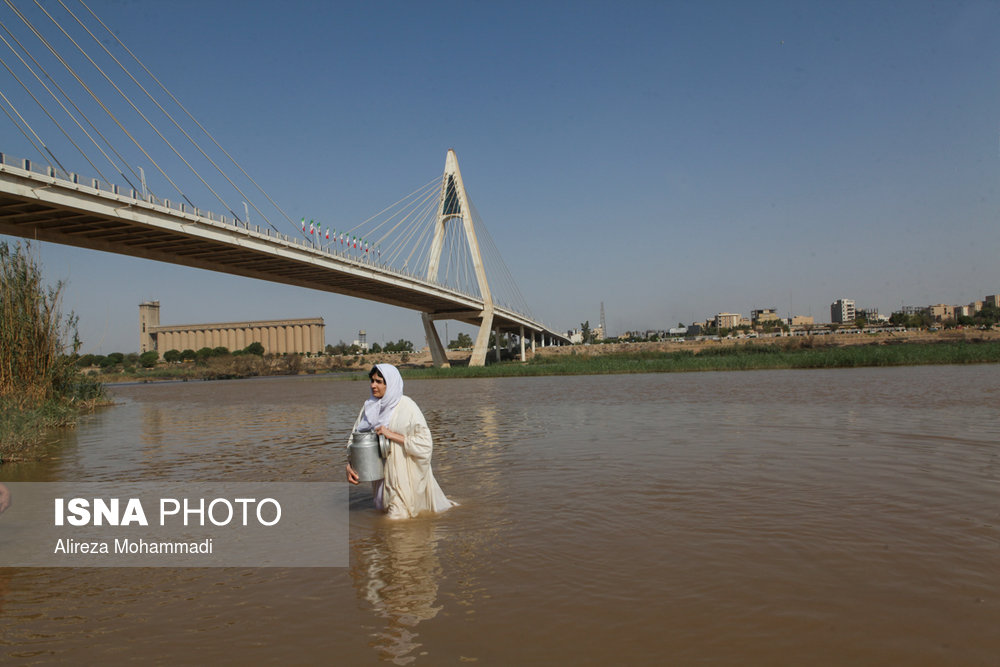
{"x":750,"y":356}
{"x":816,"y":351}
{"x":24,"y":430}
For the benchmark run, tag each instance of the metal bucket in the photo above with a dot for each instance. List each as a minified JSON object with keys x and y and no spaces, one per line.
{"x":366,"y":455}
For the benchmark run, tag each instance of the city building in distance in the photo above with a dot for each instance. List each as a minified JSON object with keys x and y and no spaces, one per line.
{"x":842,"y":311}
{"x":277,"y":336}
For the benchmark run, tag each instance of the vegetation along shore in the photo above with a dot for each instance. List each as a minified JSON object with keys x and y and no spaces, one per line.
{"x":916,"y":348}
{"x":40,"y":385}
{"x":796,"y":354}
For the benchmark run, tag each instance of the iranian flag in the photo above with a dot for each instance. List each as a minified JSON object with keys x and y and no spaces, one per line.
{"x":303,"y":224}
{"x":312,"y":227}
{"x":327,"y":233}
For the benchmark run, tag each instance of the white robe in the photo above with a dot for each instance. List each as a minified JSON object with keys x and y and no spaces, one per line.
{"x":410,"y":487}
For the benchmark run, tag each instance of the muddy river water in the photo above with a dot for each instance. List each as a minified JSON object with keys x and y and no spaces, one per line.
{"x":788,"y":517}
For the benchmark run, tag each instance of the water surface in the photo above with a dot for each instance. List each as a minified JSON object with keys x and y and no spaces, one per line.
{"x":766,"y":517}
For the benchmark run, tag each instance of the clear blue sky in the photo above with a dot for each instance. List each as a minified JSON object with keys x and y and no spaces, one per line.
{"x":671,"y":159}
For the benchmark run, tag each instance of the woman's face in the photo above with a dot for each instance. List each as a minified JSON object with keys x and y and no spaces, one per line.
{"x":378,"y":386}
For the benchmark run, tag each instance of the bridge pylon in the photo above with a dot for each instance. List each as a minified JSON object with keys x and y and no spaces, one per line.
{"x":454,"y":205}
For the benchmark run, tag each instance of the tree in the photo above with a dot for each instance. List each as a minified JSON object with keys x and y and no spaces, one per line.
{"x":149,"y":358}
{"x":340,"y":348}
{"x":220,"y":351}
{"x":90,"y":360}
{"x":463,"y":340}
{"x":399,"y":346}
{"x":989,"y":315}
{"x":585,"y":331}
{"x":376,"y":348}
{"x":504,"y":340}
{"x":254,"y":348}
{"x":172,"y":356}
{"x":920,"y":320}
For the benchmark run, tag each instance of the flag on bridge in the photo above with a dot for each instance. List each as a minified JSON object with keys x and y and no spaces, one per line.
{"x":303,"y":224}
{"x":312,"y":227}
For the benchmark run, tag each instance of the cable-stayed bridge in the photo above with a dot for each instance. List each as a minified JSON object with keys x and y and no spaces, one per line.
{"x":429,"y":251}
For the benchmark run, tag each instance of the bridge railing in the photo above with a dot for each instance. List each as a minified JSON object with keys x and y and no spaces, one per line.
{"x":356,"y":258}
{"x":113,"y":188}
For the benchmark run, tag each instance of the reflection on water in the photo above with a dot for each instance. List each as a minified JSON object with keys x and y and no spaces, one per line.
{"x":820,"y":517}
{"x":396,"y":571}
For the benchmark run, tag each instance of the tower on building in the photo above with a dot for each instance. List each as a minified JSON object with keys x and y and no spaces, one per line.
{"x":149,"y":317}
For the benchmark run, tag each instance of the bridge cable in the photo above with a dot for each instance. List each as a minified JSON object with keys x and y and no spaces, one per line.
{"x":394,"y":250}
{"x":32,"y":95}
{"x":407,"y":241}
{"x":183,"y":108}
{"x":42,"y":106}
{"x":176,"y":124}
{"x":511,"y":283}
{"x":141,"y":115}
{"x":43,"y":149}
{"x":85,"y":87}
{"x":389,"y":207}
{"x":72,"y":117}
{"x":420,"y":218}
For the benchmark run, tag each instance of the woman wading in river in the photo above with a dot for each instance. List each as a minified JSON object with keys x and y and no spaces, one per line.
{"x":409,"y":487}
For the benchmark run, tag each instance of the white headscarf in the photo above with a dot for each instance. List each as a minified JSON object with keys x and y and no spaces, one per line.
{"x":378,"y":411}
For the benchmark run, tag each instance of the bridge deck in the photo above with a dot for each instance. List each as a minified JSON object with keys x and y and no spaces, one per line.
{"x":45,"y":208}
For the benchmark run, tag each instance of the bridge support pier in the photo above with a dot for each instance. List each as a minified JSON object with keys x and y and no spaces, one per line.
{"x":482,"y":339}
{"x":521,"y":338}
{"x":438,"y":355}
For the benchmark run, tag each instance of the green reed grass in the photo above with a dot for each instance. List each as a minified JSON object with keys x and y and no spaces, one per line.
{"x":40,"y":386}
{"x":744,"y":357}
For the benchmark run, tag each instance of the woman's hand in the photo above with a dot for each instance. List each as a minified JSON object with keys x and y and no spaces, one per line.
{"x":391,"y":435}
{"x":352,"y":475}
